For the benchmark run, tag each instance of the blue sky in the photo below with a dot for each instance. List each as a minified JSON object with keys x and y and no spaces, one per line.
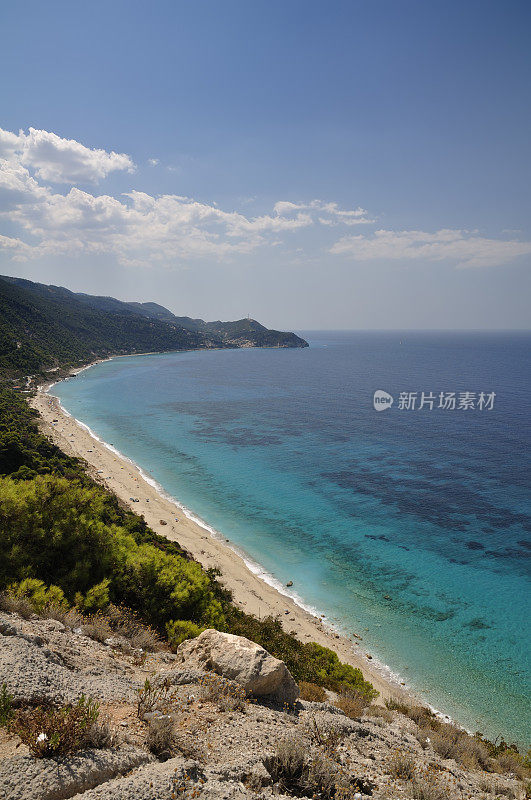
{"x":315,"y":164}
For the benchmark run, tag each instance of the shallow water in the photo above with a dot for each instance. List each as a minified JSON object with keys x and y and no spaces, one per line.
{"x":282,"y":452}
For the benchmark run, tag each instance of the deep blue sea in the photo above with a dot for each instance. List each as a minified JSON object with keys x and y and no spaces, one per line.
{"x":408,"y":526}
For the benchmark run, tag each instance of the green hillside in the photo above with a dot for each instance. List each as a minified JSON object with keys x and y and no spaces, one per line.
{"x":46,"y":326}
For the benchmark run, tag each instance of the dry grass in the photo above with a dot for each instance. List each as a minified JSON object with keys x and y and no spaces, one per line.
{"x":6,"y":706}
{"x":16,"y":605}
{"x":401,"y":765}
{"x":420,"y":715}
{"x":511,"y":762}
{"x":448,"y":741}
{"x":164,"y":739}
{"x":327,"y":737}
{"x":312,"y":773}
{"x":70,"y":617}
{"x":227,"y":695}
{"x":353,"y":705}
{"x":379,"y":712}
{"x":497,"y":789}
{"x":312,"y":692}
{"x":124,"y":622}
{"x":161,"y":739}
{"x":97,"y":627}
{"x":421,"y":789}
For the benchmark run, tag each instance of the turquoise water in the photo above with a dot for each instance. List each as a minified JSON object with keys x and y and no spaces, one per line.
{"x":283,"y":453}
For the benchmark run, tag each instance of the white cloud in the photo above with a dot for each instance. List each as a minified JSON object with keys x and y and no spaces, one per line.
{"x":465,"y":248}
{"x":153,"y":162}
{"x":60,"y":160}
{"x":328,"y":213}
{"x":142,"y":229}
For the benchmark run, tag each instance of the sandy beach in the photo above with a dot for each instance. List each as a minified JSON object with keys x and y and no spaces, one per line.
{"x":250,"y":592}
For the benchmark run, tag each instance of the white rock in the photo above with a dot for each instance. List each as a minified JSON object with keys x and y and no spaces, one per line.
{"x":242,"y":661}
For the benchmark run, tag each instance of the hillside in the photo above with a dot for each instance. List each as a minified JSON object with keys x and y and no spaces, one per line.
{"x":43,"y":326}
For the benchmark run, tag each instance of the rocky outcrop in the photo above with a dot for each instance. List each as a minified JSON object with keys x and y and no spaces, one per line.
{"x":242,"y":661}
{"x":222,"y":750}
{"x":56,"y":666}
{"x":28,"y":778}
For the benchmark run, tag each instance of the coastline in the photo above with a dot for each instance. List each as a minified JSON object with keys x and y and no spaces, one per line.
{"x":252,"y":589}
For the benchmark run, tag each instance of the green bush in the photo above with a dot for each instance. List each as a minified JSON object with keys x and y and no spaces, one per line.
{"x":95,"y":599}
{"x":180,"y":630}
{"x":56,"y":531}
{"x":38,"y":594}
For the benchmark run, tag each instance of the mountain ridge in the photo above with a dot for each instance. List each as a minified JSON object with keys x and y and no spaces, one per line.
{"x":43,"y":326}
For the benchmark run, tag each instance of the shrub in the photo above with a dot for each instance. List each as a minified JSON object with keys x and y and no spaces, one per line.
{"x":509,"y":761}
{"x":452,"y":742}
{"x":95,"y":599}
{"x":180,"y":630}
{"x":304,"y":773}
{"x":312,"y":692}
{"x":38,"y":595}
{"x":401,"y":765}
{"x":351,"y":704}
{"x":154,"y":696}
{"x":97,"y":627}
{"x":379,"y":712}
{"x":422,"y":789}
{"x":323,"y":777}
{"x":228,"y":695}
{"x":328,"y":736}
{"x":289,"y":765}
{"x":160,"y":739}
{"x":72,"y":533}
{"x":336,"y":675}
{"x":6,"y":705}
{"x":16,"y":605}
{"x":52,"y":731}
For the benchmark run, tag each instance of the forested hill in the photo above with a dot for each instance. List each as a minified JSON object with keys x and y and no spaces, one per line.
{"x":45,"y":326}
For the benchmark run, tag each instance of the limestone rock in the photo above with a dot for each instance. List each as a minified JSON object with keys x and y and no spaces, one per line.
{"x":29,"y":778}
{"x":242,"y":661}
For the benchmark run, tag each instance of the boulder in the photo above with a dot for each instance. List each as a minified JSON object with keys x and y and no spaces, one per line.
{"x":242,"y":661}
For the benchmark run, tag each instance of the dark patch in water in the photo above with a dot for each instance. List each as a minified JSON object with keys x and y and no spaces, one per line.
{"x":472,"y":545}
{"x":477,"y":624}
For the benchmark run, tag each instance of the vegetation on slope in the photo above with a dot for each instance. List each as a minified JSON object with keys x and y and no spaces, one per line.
{"x":44,"y":326}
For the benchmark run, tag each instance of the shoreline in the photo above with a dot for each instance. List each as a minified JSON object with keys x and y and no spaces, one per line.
{"x":254,"y":591}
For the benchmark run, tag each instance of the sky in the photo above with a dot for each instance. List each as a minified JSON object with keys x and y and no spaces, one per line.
{"x":315,"y":164}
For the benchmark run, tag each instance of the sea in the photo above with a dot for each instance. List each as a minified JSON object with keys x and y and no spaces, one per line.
{"x":405,"y":522}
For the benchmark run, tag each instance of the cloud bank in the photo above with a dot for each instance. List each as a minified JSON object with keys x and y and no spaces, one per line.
{"x":465,"y":248}
{"x":139,"y":229}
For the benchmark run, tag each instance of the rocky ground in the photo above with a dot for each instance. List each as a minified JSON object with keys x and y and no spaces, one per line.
{"x":193,"y":730}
